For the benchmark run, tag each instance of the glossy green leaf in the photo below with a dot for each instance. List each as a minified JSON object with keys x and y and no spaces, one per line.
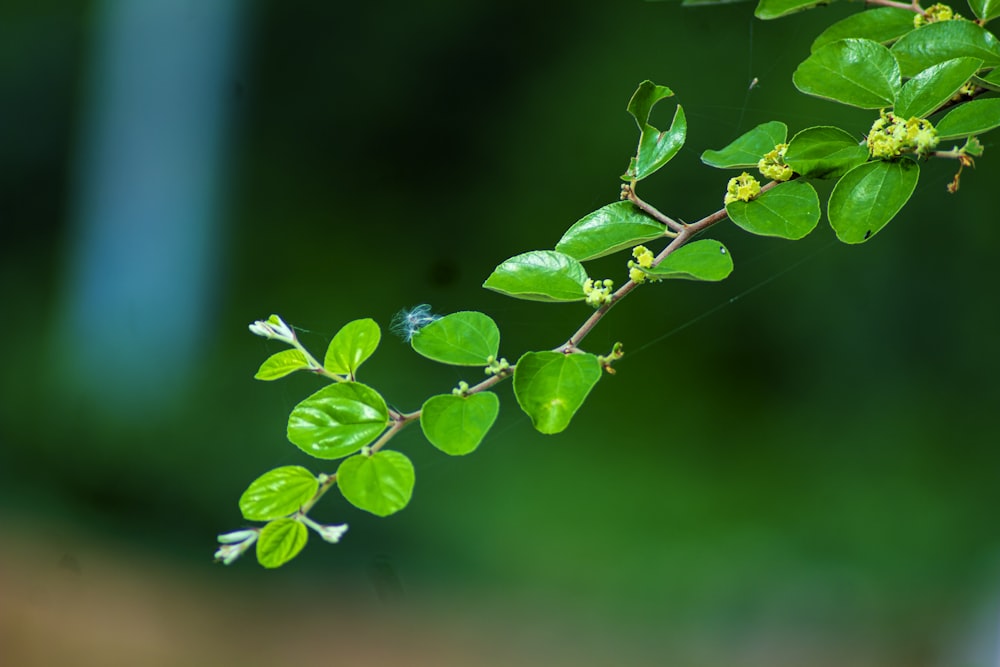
{"x":280,"y":364}
{"x":789,"y":211}
{"x":990,"y":81}
{"x":351,"y":346}
{"x":858,"y":72}
{"x":931,"y":88}
{"x":551,"y":386}
{"x":985,"y":9}
{"x":456,"y":424}
{"x":278,"y":493}
{"x":701,"y":260}
{"x":772,"y":9}
{"x":338,"y":420}
{"x":381,"y":483}
{"x":824,"y":152}
{"x":882,"y":24}
{"x":539,"y":275}
{"x":747,"y":150}
{"x":656,"y":148}
{"x":607,"y":230}
{"x":970,"y":118}
{"x":869,"y":196}
{"x":280,"y":541}
{"x":937,"y":42}
{"x":467,"y":338}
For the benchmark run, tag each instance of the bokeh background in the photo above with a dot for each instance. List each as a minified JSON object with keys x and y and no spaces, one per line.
{"x":796,"y":466}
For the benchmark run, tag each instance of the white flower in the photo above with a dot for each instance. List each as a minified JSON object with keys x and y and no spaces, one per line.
{"x":274,"y":328}
{"x":235,"y":544}
{"x":331,"y":534}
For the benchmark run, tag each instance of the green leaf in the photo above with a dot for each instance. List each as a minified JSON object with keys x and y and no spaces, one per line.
{"x":700,"y":260}
{"x":656,"y":148}
{"x":338,"y":420}
{"x":280,"y":364}
{"x":539,"y":275}
{"x":278,"y":493}
{"x":280,"y":541}
{"x":869,"y":196}
{"x":858,"y":72}
{"x":467,"y":338}
{"x":456,"y":424}
{"x":824,"y":152}
{"x":931,"y":88}
{"x":990,"y":81}
{"x":937,"y":42}
{"x":381,"y":483}
{"x":772,"y":9}
{"x":747,"y":150}
{"x":789,"y":211}
{"x":551,"y":386}
{"x":970,"y":118}
{"x":985,"y":9}
{"x":353,"y":344}
{"x":883,"y":24}
{"x":607,"y":230}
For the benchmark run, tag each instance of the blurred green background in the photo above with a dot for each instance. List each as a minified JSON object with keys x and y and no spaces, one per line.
{"x":795,"y":466}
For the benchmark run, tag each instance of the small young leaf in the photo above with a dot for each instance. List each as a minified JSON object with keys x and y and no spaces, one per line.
{"x":381,"y":483}
{"x":824,"y":152}
{"x":985,"y":9}
{"x":869,"y":196}
{"x":934,"y":86}
{"x":456,"y":424}
{"x":747,"y":150}
{"x":278,"y":493}
{"x":937,"y":42}
{"x":353,"y":344}
{"x":280,"y":541}
{"x":701,"y":260}
{"x":772,"y":9}
{"x":551,"y":386}
{"x":280,"y":364}
{"x":882,"y":24}
{"x":858,"y":72}
{"x":467,"y":338}
{"x":789,"y":211}
{"x":970,"y":118}
{"x":338,"y":420}
{"x":539,"y":275}
{"x":656,"y":148}
{"x":607,"y":230}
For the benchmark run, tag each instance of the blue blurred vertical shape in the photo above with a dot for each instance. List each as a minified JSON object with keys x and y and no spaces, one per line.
{"x":141,"y":268}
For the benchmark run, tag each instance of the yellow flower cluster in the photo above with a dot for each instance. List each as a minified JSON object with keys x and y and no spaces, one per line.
{"x":643,"y":260}
{"x":773,"y":166}
{"x":935,"y":13}
{"x":890,"y":137}
{"x":741,"y":188}
{"x":598,"y":292}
